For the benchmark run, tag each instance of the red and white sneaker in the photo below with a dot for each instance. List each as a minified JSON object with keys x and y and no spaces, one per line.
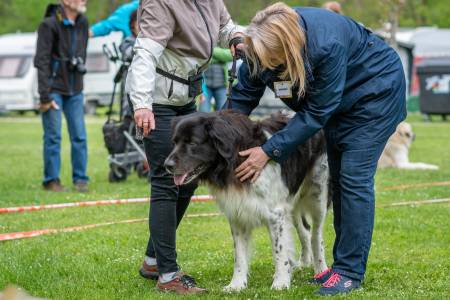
{"x":338,"y":284}
{"x":321,"y":277}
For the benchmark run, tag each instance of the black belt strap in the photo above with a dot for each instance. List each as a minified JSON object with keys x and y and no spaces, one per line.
{"x":172,"y":76}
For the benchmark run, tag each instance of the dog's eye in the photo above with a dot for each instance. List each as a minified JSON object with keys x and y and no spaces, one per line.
{"x":407,"y":135}
{"x":192,"y":144}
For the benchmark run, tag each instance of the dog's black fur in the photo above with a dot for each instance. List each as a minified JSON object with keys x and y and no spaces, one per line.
{"x":213,"y":140}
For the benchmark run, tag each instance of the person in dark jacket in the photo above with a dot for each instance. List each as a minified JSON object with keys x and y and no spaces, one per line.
{"x":337,"y":76}
{"x":126,"y":46}
{"x":60,"y":57}
{"x":127,"y":53}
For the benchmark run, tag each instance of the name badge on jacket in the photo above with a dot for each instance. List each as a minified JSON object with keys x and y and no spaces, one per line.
{"x":283,"y":89}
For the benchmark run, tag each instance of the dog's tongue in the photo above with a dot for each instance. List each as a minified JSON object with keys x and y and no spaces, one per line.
{"x":179,"y":179}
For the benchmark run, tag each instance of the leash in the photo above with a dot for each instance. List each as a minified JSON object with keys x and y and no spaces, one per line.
{"x":238,"y":54}
{"x":231,"y":77}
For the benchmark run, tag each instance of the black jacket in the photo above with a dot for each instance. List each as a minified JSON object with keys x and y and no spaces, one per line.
{"x":58,"y":42}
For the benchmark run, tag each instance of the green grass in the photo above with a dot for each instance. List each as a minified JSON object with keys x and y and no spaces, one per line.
{"x":409,"y":258}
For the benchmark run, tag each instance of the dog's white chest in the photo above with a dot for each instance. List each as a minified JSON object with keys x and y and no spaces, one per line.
{"x":254,"y":205}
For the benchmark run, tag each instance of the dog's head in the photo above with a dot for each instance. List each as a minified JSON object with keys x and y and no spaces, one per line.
{"x":204,"y":145}
{"x":405,"y":134}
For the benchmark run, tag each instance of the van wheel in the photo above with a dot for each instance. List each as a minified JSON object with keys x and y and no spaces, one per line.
{"x":90,"y":108}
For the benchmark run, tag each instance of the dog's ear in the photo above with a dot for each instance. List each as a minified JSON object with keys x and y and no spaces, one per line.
{"x":222,"y":134}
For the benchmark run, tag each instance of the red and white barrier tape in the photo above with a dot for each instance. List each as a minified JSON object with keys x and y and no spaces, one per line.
{"x":5,"y":210}
{"x":35,"y":233}
{"x":416,"y":185}
{"x":196,"y":198}
{"x":422,"y":202}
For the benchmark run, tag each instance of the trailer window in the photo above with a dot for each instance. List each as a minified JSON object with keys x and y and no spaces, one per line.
{"x":97,"y":63}
{"x":14,"y":66}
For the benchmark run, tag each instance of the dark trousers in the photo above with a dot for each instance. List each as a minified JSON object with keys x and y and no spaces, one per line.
{"x":168,"y":202}
{"x":352,"y":171}
{"x":355,"y":141}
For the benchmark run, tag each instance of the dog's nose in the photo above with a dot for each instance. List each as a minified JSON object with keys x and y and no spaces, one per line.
{"x":169,"y":164}
{"x":414,"y":137}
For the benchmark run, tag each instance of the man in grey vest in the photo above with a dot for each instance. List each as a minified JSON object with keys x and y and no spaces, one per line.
{"x":174,"y":46}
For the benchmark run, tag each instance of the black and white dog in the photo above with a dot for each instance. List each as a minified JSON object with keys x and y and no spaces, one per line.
{"x":293,"y":193}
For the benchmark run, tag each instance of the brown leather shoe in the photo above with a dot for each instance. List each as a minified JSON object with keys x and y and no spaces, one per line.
{"x":182,"y":284}
{"x":148,"y":271}
{"x":54,"y":186}
{"x":81,"y":187}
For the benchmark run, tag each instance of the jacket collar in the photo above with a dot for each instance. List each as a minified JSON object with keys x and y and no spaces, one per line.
{"x":61,"y":16}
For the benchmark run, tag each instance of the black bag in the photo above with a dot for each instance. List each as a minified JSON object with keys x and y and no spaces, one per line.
{"x":195,"y":85}
{"x":115,"y":140}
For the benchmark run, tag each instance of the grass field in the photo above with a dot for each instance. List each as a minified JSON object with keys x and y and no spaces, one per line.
{"x":410,"y":256}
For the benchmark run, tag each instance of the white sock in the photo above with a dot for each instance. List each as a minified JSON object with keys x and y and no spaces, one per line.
{"x":151,"y":261}
{"x":166,"y":277}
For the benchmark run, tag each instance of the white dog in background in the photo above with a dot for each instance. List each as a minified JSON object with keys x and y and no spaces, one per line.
{"x":396,"y":152}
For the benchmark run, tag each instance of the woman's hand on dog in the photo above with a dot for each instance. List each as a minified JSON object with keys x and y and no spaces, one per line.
{"x":253,"y":165}
{"x":144,"y":119}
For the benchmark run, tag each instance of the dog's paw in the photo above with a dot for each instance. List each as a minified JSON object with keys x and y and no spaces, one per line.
{"x":281,"y":284}
{"x":235,"y":287}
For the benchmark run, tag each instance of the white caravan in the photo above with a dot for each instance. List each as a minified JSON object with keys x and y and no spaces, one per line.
{"x":18,"y":77}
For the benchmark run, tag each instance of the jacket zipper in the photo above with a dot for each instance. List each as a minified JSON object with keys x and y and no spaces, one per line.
{"x":73,"y":50}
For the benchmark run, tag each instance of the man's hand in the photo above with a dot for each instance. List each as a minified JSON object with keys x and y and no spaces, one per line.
{"x":253,"y":165}
{"x":144,"y":119}
{"x":43,"y":107}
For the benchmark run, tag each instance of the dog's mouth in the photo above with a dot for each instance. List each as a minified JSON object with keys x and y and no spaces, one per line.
{"x":187,"y":177}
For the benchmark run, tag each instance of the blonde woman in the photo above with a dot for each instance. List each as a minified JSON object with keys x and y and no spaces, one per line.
{"x":336,"y":76}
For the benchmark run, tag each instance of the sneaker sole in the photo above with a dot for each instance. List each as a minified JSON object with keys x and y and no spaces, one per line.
{"x":169,"y":291}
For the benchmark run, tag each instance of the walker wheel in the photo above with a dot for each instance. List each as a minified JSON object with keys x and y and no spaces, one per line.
{"x":117,"y":174}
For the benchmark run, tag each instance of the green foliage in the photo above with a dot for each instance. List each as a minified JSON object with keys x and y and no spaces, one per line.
{"x":369,"y":12}
{"x":25,"y":15}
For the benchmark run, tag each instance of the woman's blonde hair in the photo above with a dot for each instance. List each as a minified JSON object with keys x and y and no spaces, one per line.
{"x":273,"y":38}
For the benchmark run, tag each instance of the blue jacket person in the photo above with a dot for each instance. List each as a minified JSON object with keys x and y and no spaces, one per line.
{"x":336,"y":76}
